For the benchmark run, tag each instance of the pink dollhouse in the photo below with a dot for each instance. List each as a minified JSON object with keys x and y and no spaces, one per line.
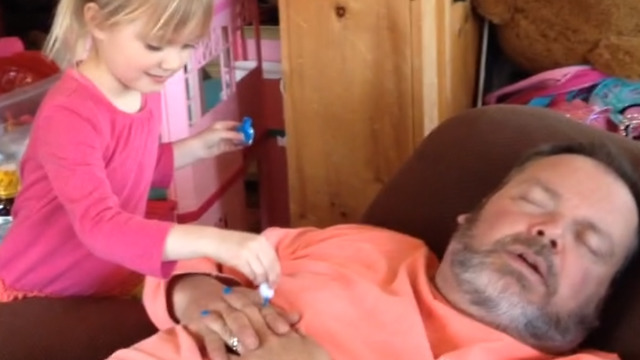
{"x":223,"y":80}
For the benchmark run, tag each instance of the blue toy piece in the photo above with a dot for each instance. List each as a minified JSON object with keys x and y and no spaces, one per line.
{"x":247,"y":130}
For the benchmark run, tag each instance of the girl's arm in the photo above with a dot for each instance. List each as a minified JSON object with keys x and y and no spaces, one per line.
{"x":70,"y":145}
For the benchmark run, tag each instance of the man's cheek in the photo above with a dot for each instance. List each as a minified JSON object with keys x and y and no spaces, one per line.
{"x":572,"y":280}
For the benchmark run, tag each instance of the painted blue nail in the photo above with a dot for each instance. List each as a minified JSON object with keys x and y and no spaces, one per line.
{"x":227,"y":290}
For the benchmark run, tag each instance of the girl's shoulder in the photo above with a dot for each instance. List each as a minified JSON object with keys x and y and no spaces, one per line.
{"x":71,"y":92}
{"x":71,"y":104}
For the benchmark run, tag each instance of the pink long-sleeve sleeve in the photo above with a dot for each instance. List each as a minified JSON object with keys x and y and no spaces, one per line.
{"x":79,"y":226}
{"x":163,"y":173}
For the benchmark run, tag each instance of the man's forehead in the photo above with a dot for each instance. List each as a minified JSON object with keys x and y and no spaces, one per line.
{"x":566,"y":166}
{"x":561,"y":175}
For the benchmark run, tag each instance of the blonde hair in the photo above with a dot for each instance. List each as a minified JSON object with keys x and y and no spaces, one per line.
{"x":164,"y":19}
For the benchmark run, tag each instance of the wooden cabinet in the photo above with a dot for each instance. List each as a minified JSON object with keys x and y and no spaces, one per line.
{"x":365,"y":81}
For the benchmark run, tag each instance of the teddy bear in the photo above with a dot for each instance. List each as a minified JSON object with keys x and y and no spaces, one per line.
{"x":539,"y":35}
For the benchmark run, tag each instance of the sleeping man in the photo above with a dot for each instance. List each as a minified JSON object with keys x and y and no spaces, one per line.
{"x":524,"y":277}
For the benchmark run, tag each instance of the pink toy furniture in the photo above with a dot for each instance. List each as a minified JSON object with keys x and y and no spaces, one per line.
{"x":272,"y":159}
{"x":218,"y":83}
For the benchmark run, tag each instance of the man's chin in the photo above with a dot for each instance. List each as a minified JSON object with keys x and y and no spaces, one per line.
{"x":501,"y":287}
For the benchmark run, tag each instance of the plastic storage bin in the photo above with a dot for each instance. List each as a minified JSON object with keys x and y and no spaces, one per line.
{"x":19,"y":107}
{"x":24,"y":101}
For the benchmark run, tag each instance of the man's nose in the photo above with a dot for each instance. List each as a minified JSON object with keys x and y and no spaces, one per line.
{"x":550,"y":230}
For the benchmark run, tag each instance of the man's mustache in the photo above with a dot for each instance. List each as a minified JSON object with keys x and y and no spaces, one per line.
{"x":536,"y":245}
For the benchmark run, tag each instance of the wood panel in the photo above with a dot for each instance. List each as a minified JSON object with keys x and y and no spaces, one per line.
{"x":349,"y":102}
{"x":459,"y":58}
{"x":447,"y":37}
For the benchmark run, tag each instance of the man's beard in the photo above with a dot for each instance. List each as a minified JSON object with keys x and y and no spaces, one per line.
{"x":489,"y":287}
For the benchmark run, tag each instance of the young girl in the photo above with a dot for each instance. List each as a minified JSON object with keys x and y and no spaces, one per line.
{"x":94,"y":153}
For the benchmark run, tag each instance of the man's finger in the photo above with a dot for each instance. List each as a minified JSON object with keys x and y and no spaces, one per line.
{"x":256,"y":319}
{"x":240,"y":298}
{"x":215,"y":347}
{"x":276,"y":322}
{"x":291,"y":317}
{"x":215,"y":335}
{"x":209,"y":342}
{"x":234,"y":324}
{"x":245,"y":303}
{"x":239,"y":325}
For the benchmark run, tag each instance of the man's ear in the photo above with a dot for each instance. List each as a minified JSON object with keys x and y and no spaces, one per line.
{"x":93,"y":20}
{"x":462,"y":218}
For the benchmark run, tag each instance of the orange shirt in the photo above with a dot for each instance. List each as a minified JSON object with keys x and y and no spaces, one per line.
{"x":363,"y":293}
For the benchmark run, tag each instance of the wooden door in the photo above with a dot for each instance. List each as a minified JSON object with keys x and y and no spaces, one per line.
{"x":363,"y":84}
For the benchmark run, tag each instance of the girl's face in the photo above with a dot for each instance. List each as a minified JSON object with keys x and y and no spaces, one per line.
{"x":137,"y":61}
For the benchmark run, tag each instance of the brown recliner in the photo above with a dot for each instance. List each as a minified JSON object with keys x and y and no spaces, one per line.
{"x":464,"y":159}
{"x":70,"y":329}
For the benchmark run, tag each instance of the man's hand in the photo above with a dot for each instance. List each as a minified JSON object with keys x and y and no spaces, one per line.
{"x":215,"y":318}
{"x":275,"y":346}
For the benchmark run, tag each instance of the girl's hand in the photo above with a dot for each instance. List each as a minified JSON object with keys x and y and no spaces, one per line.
{"x":249,"y":253}
{"x":219,"y":138}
